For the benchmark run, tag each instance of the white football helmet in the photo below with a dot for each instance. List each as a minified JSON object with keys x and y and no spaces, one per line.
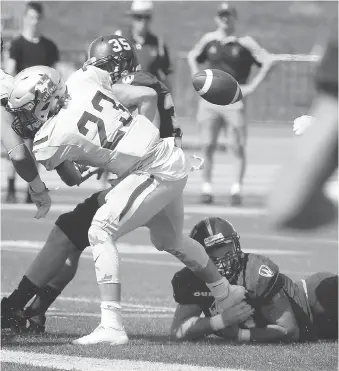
{"x":38,"y":94}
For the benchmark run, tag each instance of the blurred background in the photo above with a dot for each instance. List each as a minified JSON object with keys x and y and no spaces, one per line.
{"x":294,"y":29}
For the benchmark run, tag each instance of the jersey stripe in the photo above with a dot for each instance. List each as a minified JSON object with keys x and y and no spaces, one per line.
{"x":208,"y":82}
{"x":42,"y":140}
{"x":135,"y":194}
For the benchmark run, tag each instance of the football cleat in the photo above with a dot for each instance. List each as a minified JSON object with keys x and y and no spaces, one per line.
{"x":104,"y":335}
{"x":235,"y":296}
{"x":13,"y":319}
{"x":36,"y":325}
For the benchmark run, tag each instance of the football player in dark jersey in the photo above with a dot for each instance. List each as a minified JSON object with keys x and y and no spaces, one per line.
{"x":298,"y":199}
{"x":283,"y":310}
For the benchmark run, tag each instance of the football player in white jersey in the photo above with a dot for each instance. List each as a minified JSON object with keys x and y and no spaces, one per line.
{"x":19,"y":154}
{"x":89,"y":124}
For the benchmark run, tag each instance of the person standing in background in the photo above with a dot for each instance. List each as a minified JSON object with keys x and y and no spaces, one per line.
{"x":29,"y":49}
{"x":152,"y":52}
{"x":223,"y":50}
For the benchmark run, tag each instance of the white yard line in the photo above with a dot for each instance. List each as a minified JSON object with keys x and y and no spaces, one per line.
{"x":63,"y":362}
{"x":192,"y":209}
{"x":126,"y":248}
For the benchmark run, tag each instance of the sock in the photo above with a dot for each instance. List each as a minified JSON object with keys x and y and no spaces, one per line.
{"x":43,"y":301}
{"x":219,"y":289}
{"x":206,"y":188}
{"x":235,"y":189}
{"x":23,"y":294}
{"x":10,"y":185}
{"x":111,"y":314}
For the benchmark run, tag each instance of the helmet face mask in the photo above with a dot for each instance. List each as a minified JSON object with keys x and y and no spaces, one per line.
{"x":113,"y":54}
{"x":38,"y":94}
{"x":221,"y":243}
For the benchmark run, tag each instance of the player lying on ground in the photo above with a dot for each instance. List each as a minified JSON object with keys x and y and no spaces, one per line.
{"x":91,"y":125}
{"x":284,"y":310}
{"x":19,"y":154}
{"x":69,"y":236}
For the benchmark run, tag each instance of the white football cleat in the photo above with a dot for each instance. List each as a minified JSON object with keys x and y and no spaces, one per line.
{"x":236,"y":295}
{"x":104,"y":335}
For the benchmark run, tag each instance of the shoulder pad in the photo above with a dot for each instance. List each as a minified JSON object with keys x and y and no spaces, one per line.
{"x":261,"y":277}
{"x":189,"y":289}
{"x":89,"y":74}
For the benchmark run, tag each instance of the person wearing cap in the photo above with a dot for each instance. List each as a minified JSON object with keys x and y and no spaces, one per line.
{"x":223,"y":50}
{"x":152,"y":52}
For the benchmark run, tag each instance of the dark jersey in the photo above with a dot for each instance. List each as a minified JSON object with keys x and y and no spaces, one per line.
{"x":260,"y":276}
{"x":165,"y":102}
{"x":315,"y":304}
{"x":233,"y":55}
{"x":27,"y":54}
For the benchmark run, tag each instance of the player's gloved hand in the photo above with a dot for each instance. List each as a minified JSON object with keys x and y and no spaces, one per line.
{"x":301,"y":124}
{"x":42,"y":201}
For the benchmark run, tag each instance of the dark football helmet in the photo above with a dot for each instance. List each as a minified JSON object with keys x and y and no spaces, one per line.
{"x":214,"y":233}
{"x":114,"y":54}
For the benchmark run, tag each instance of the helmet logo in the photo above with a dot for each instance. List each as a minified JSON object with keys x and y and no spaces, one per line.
{"x":265,"y":271}
{"x":127,"y":79}
{"x":45,"y":87}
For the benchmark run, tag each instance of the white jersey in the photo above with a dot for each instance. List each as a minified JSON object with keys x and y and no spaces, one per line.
{"x":6,"y":84}
{"x":94,"y":129}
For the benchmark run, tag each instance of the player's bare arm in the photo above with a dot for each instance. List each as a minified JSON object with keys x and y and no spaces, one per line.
{"x":144,"y":98}
{"x":187,"y":323}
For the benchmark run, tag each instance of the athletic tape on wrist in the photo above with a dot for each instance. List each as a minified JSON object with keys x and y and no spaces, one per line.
{"x":244,"y":335}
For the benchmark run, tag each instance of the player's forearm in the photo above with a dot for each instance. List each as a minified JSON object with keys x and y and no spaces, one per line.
{"x":271,"y":333}
{"x":148,"y":107}
{"x":192,"y":328}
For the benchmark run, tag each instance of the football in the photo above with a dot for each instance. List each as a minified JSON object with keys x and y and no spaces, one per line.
{"x":217,"y":87}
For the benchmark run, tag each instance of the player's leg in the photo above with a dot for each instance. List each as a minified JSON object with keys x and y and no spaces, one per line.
{"x":237,"y":131}
{"x":166,"y":231}
{"x":128,"y":206}
{"x":322,"y":293}
{"x":210,"y":123}
{"x":68,"y":238}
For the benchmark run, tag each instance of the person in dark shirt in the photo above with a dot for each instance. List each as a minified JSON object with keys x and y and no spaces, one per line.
{"x":222,"y":50}
{"x":153,"y":54}
{"x":298,"y":199}
{"x":27,"y":50}
{"x":284,"y":310}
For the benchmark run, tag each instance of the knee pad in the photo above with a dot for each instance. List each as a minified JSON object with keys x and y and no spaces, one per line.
{"x":105,"y":255}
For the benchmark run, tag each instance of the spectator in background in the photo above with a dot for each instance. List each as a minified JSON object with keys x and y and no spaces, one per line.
{"x":298,"y":200}
{"x":152,"y":52}
{"x":223,"y":50}
{"x":27,"y":50}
